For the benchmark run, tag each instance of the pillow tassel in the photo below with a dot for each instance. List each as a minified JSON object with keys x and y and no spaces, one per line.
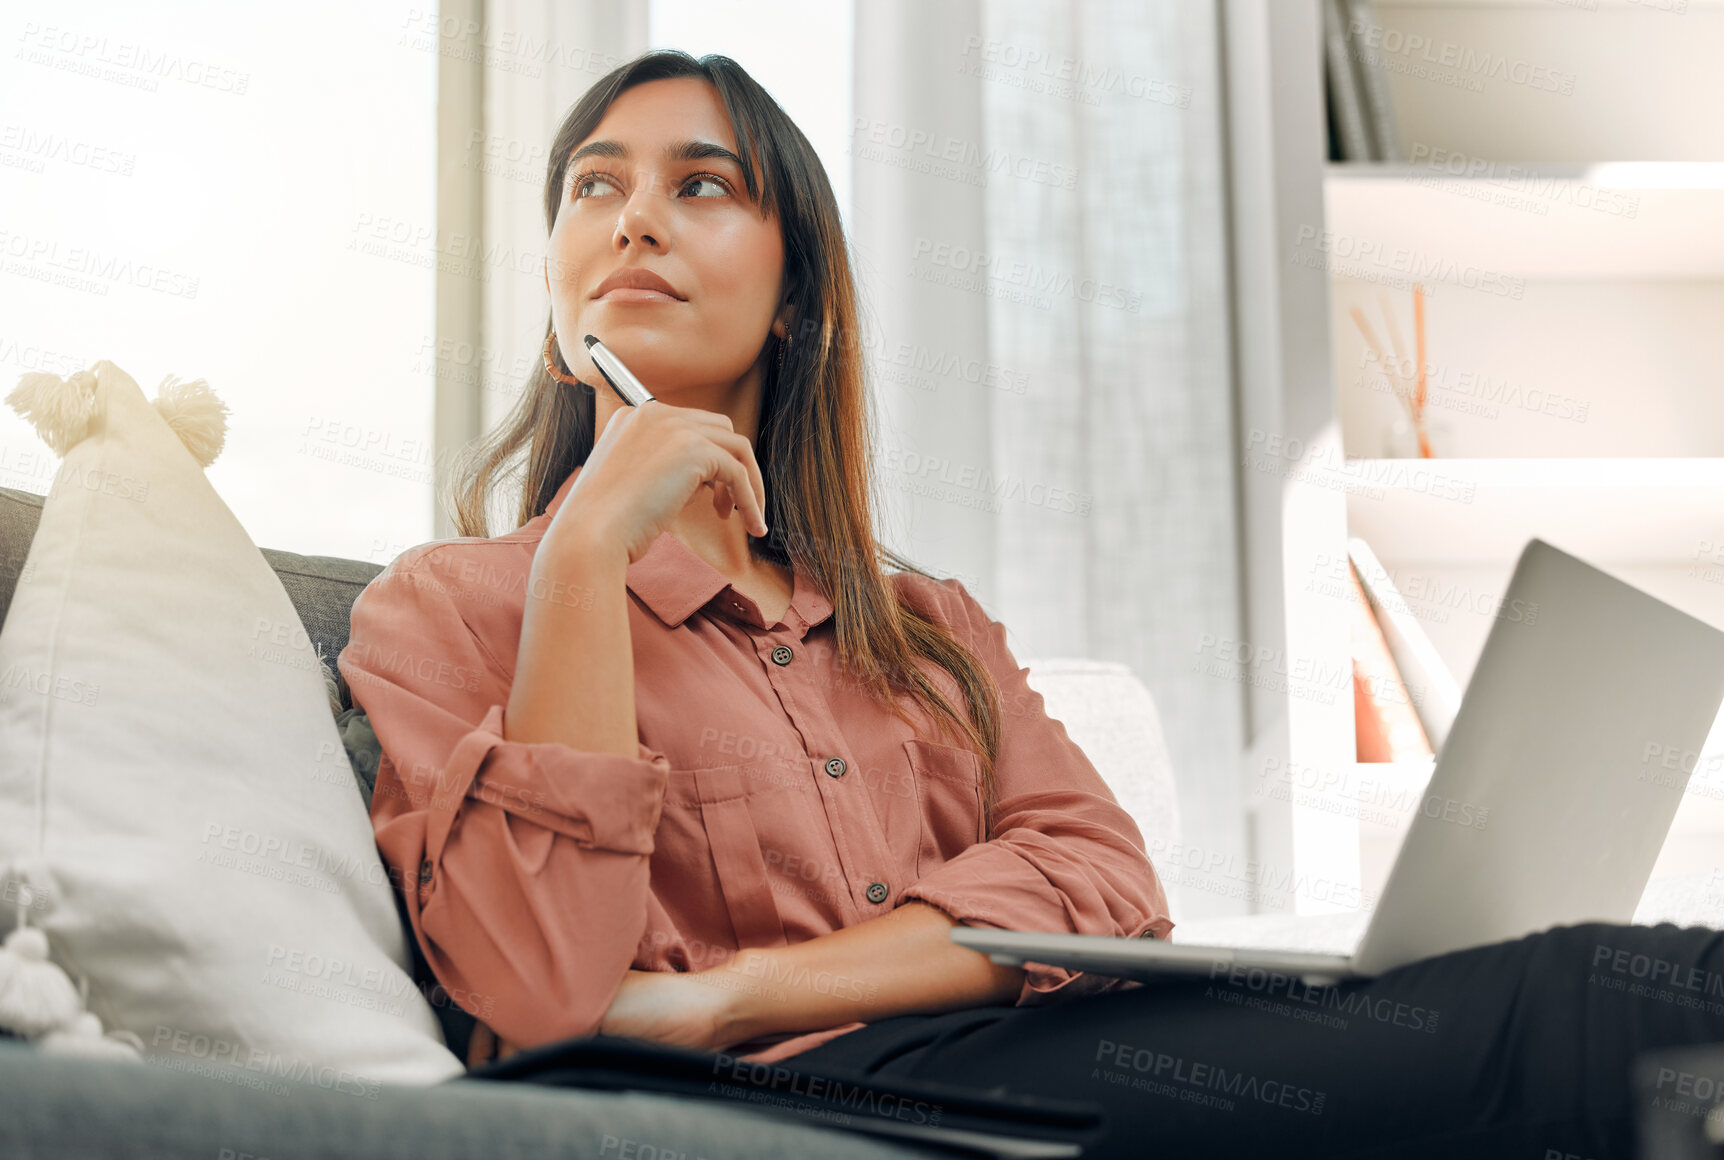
{"x":83,"y":1037}
{"x":39,"y":1002}
{"x":196,"y":415}
{"x":36,"y":997}
{"x":60,"y":409}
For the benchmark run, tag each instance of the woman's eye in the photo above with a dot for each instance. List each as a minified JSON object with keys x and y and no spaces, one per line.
{"x":580,"y":184}
{"x":708,"y":179}
{"x":588,"y":179}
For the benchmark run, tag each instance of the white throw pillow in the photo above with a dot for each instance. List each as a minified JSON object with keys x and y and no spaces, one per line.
{"x":173,"y":789}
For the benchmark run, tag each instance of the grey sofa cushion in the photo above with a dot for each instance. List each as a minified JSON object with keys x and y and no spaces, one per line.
{"x":83,"y":1109}
{"x":322,"y":588}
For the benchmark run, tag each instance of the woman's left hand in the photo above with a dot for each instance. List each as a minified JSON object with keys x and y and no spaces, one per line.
{"x":678,"y":1008}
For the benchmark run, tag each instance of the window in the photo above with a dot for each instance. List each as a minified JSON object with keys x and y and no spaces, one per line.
{"x":800,"y":52}
{"x":230,"y":195}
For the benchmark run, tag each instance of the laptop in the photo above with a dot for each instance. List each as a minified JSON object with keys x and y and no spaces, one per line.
{"x":1573,"y":743}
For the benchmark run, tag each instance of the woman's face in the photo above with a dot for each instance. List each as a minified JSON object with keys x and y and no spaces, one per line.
{"x":631,"y":204}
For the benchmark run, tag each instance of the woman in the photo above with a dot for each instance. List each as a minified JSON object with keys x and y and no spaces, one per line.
{"x":677,"y":760}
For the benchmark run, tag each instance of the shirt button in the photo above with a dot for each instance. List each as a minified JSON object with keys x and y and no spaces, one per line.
{"x":835,"y":767}
{"x":425,"y":872}
{"x":781,"y":655}
{"x":877,"y":892}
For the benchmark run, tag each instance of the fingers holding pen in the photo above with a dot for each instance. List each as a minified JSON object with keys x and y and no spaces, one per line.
{"x":646,"y":464}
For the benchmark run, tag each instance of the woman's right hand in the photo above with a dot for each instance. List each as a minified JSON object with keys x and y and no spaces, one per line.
{"x":647,"y":463}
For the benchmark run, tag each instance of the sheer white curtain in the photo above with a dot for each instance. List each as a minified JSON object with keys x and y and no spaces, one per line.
{"x":1038,"y":226}
{"x":543,"y":56}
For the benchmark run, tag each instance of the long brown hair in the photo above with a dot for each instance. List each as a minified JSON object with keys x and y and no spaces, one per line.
{"x":814,"y":444}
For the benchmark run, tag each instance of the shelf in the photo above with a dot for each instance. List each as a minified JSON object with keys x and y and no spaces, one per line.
{"x":1647,"y":512}
{"x":1604,"y":220}
{"x":1570,"y":317}
{"x":1613,"y":175}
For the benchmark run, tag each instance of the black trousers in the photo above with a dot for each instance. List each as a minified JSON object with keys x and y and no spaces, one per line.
{"x":1520,"y":1049}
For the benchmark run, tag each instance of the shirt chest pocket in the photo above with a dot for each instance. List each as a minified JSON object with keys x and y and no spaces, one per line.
{"x":949,"y":792}
{"x":708,"y":851}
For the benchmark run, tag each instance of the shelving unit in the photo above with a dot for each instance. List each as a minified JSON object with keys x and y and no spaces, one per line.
{"x":1618,"y":221}
{"x":1573,"y":253}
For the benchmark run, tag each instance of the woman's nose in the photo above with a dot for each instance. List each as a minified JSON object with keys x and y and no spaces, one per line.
{"x":641,"y":217}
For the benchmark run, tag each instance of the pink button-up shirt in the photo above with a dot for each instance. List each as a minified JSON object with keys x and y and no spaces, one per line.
{"x":769,"y":801}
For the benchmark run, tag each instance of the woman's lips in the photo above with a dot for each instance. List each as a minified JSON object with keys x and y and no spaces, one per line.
{"x":635,"y":294}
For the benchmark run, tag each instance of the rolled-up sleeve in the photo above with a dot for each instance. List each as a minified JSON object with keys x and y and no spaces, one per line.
{"x":524,"y":865}
{"x":1061,"y":855}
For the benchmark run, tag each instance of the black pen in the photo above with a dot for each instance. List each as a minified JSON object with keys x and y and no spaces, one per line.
{"x":622,"y":380}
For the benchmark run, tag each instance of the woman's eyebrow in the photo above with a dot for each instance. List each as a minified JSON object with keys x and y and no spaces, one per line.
{"x":676,"y":151}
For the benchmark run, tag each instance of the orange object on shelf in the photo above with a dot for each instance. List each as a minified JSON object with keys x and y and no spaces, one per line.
{"x":1419,"y":397}
{"x":1386,"y":725}
{"x":1410,"y":394}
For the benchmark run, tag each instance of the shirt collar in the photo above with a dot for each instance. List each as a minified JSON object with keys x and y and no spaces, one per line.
{"x":675,"y":583}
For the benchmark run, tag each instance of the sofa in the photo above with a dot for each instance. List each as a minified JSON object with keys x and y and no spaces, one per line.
{"x":68,"y":1106}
